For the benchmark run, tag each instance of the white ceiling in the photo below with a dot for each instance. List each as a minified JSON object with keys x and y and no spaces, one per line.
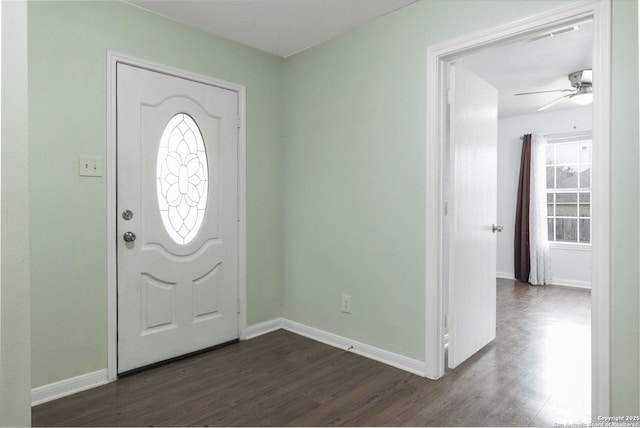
{"x":286,"y":27}
{"x":279,"y":27}
{"x":540,"y":65}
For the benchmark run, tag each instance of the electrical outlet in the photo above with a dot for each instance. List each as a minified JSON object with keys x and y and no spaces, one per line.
{"x":346,"y":303}
{"x":90,"y":166}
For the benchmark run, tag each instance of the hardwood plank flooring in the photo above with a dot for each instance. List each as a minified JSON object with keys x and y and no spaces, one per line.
{"x":536,"y":373}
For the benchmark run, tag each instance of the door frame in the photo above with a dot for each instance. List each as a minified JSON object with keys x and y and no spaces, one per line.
{"x":113,"y":59}
{"x":437,"y":58}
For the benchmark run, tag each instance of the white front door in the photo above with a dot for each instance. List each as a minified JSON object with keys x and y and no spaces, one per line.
{"x":177,"y":214}
{"x":472,"y":213}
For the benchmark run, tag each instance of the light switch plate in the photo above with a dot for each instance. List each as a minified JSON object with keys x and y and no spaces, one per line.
{"x":90,"y":166}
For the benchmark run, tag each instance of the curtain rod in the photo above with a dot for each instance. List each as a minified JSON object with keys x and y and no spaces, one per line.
{"x":568,"y":136}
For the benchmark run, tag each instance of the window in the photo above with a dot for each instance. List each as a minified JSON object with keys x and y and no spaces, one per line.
{"x":182,"y":183}
{"x":569,"y":190}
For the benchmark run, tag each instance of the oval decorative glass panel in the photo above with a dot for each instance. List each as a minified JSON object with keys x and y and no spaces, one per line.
{"x":182,"y":178}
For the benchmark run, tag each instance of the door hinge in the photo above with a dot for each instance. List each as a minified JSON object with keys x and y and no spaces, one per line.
{"x":446,"y":208}
{"x":446,"y":321}
{"x":238,"y":305}
{"x":239,"y":121}
{"x":449,"y":96}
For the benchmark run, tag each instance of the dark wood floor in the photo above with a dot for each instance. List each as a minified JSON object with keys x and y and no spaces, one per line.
{"x":537,"y":372}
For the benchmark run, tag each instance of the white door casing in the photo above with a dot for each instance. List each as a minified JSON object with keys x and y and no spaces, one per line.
{"x":437,"y":56}
{"x":472,"y":213}
{"x":177,"y":294}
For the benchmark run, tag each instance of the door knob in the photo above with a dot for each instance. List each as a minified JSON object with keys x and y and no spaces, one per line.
{"x":496,"y":228}
{"x":129,"y":236}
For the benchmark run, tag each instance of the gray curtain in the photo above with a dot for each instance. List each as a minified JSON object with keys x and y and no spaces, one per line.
{"x":521,"y":241}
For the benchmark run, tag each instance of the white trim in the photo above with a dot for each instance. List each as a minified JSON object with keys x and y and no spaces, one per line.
{"x":561,"y":282}
{"x":242,"y":212}
{"x":264,"y":327}
{"x":364,"y":350}
{"x":505,"y":275}
{"x":568,"y":137}
{"x":53,"y":391}
{"x":570,"y":246}
{"x":436,"y":129}
{"x":113,"y":58}
{"x":399,"y":361}
{"x":437,"y":56}
{"x":112,"y":259}
{"x":601,"y":215}
{"x":573,"y":283}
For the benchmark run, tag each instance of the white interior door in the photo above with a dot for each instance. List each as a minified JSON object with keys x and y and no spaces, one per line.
{"x":472,"y":213}
{"x":177,"y":213}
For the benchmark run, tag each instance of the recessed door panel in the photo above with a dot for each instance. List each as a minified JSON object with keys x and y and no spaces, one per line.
{"x":206,"y":294}
{"x":159,"y":304}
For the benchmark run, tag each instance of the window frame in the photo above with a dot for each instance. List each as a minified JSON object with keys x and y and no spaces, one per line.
{"x":571,"y":138}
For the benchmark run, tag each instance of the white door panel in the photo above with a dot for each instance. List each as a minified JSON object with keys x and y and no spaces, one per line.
{"x":473,"y":211}
{"x":177,"y":174}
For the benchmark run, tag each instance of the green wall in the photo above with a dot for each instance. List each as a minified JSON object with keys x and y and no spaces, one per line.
{"x":355,"y":171}
{"x":15,"y":368}
{"x":355,"y":178}
{"x":625,"y":215}
{"x":68,"y":43}
{"x":335,"y":141}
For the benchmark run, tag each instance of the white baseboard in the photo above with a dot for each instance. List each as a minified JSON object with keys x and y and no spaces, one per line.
{"x":571,"y":283}
{"x":53,"y":391}
{"x":368,"y":351}
{"x":554,"y":281}
{"x":505,"y":275}
{"x":258,"y":329}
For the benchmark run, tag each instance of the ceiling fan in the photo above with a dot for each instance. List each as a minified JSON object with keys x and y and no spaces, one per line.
{"x":581,"y":93}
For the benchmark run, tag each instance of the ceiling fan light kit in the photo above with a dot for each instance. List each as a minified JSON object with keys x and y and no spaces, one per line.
{"x":582,"y":94}
{"x":583,"y":97}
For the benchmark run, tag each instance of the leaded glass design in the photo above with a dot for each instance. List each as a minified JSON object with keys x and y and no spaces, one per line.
{"x":182,"y":178}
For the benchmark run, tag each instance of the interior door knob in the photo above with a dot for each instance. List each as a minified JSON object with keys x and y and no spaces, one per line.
{"x":496,"y":228}
{"x":129,"y":236}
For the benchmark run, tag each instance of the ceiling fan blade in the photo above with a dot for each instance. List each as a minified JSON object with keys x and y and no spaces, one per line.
{"x":554,"y":102}
{"x":544,"y":92}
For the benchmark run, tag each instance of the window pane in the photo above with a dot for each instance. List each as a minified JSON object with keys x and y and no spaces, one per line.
{"x":182,"y":178}
{"x":550,"y":211}
{"x":585,"y":176}
{"x":566,"y":204}
{"x":585,"y":230}
{"x":585,"y":152}
{"x":567,"y":229}
{"x":566,"y":177}
{"x":550,"y":154}
{"x":585,"y":197}
{"x":550,"y":229}
{"x":564,"y":197}
{"x":567,"y":153}
{"x":585,"y":204}
{"x":550,"y":172}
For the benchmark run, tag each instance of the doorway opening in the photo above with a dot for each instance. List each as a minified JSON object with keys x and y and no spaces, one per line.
{"x":438,"y":59}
